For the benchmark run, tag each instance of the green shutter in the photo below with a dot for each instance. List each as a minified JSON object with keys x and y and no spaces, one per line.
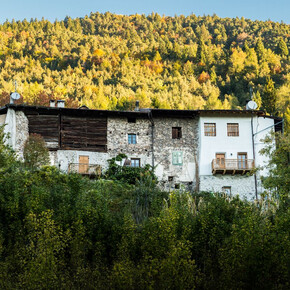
{"x":177,"y":158}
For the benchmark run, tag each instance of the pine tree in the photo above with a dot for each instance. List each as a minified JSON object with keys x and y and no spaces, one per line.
{"x":270,"y":97}
{"x":260,"y":49}
{"x":201,"y":53}
{"x":257,"y":98}
{"x":282,"y":48}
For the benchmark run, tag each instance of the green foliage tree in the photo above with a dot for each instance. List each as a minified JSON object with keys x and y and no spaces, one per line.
{"x":35,"y":152}
{"x":277,"y":180}
{"x":282,"y":48}
{"x":270,"y":97}
{"x":260,"y":49}
{"x":7,"y":156}
{"x":257,"y":98}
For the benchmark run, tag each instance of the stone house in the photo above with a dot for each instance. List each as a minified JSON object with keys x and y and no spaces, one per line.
{"x":196,"y":149}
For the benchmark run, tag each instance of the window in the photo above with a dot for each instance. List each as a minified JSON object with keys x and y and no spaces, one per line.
{"x":209,"y":129}
{"x":131,"y":120}
{"x":176,"y":133}
{"x":242,"y":160}
{"x":177,"y":158}
{"x":233,"y":129}
{"x":135,"y":162}
{"x":170,"y":178}
{"x":227,"y":190}
{"x":132,"y":139}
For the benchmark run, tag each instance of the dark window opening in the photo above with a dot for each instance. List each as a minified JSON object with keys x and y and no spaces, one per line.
{"x":176,"y":133}
{"x":170,"y":178}
{"x":177,"y":186}
{"x":131,"y":120}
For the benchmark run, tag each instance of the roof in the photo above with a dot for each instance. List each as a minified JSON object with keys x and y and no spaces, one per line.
{"x":143,"y":113}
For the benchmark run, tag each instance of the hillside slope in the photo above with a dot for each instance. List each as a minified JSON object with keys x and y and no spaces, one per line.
{"x":108,"y":61}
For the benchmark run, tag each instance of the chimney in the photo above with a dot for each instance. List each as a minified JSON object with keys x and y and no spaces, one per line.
{"x":52,"y":103}
{"x":137,"y":109}
{"x":60,"y":103}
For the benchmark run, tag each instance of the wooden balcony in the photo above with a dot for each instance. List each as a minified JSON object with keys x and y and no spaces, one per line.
{"x":232,"y":166}
{"x":92,"y":170}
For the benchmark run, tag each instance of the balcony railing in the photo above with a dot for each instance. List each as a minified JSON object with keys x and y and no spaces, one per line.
{"x":232,"y":166}
{"x":85,"y":169}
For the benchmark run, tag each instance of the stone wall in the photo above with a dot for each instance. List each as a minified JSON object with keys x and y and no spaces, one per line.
{"x":22,"y":132}
{"x":164,"y":145}
{"x":117,"y":136}
{"x":241,"y":185}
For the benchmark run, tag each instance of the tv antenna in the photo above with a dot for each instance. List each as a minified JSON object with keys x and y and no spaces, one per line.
{"x":251,"y":105}
{"x":14,"y":96}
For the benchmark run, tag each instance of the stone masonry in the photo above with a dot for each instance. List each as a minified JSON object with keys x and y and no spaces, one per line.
{"x":164,"y":146}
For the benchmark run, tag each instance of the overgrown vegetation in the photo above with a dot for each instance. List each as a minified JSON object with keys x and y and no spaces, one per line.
{"x":60,"y":231}
{"x":35,"y":152}
{"x":108,"y":61}
{"x":128,"y":174}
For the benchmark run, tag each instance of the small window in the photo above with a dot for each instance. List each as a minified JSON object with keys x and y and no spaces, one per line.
{"x":131,"y":120}
{"x":227,"y":190}
{"x":170,"y":178}
{"x":176,"y":133}
{"x":233,"y":129}
{"x":132,"y":139}
{"x":177,"y":158}
{"x":135,"y":162}
{"x":209,"y":129}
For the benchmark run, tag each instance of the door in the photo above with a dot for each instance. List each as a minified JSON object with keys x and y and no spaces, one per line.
{"x":220,"y":160}
{"x":83,"y":164}
{"x":242,"y":160}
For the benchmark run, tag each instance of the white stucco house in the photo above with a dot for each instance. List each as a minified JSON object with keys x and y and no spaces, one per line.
{"x":201,"y":150}
{"x":229,"y":149}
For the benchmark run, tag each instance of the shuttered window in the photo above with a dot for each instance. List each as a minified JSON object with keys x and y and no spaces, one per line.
{"x":177,"y":158}
{"x":132,"y":139}
{"x":209,"y":129}
{"x":233,"y":129}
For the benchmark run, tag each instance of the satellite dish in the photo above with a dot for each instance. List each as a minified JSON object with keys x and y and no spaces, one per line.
{"x":15,"y":96}
{"x":251,"y":105}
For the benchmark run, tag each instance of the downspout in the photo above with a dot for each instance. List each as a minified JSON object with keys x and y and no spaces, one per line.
{"x":254,"y":156}
{"x":152,"y":135}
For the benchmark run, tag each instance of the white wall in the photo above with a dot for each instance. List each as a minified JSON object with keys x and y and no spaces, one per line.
{"x":10,"y":128}
{"x":65,"y":157}
{"x":221,"y":143}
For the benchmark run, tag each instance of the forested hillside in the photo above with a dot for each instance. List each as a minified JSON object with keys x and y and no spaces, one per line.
{"x":108,"y":61}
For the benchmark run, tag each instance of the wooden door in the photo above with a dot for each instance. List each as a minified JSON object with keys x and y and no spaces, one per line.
{"x":242,"y":160}
{"x":220,"y":160}
{"x":83,"y":164}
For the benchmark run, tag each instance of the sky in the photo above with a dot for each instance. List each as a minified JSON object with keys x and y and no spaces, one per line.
{"x":278,"y":10}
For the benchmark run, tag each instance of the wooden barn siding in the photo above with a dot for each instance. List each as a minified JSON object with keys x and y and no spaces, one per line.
{"x":87,"y":134}
{"x":84,"y":133}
